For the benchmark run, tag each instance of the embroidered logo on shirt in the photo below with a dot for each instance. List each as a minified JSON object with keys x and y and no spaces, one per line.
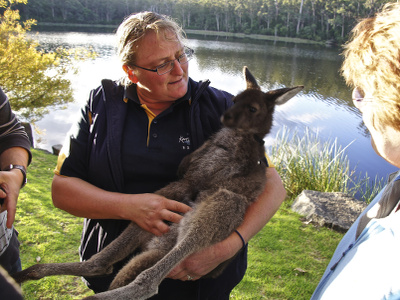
{"x":185,"y":142}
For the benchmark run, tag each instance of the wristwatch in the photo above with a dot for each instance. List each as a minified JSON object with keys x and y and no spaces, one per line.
{"x":22,"y":169}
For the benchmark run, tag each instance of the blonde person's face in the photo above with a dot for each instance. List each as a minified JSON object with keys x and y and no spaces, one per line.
{"x":384,"y":139}
{"x":151,"y":87}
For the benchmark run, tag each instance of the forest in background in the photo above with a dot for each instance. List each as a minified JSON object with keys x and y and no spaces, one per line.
{"x":317,"y":20}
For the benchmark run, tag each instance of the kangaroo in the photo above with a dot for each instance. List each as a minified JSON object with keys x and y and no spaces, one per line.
{"x":219,"y":181}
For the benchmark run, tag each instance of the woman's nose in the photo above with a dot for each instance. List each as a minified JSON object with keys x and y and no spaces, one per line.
{"x":177,"y":69}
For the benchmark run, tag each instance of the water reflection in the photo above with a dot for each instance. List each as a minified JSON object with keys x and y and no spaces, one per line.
{"x":277,"y":64}
{"x":103,"y":44}
{"x":324,"y":106}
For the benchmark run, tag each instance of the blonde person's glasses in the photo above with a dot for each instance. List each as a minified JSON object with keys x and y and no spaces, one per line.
{"x":169,"y":65}
{"x":359,"y":95}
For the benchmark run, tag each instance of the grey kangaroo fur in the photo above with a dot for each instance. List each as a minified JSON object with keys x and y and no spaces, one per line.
{"x":219,"y":180}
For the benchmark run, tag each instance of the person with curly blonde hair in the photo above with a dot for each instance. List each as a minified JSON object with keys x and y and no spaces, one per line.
{"x":365,"y":263}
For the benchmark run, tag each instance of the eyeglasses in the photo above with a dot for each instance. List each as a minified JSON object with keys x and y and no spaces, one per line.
{"x":169,"y":65}
{"x":359,"y":95}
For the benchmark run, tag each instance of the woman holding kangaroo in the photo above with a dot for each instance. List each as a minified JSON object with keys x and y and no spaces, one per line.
{"x":130,"y":139}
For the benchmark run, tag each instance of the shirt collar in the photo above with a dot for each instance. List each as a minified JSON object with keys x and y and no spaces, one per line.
{"x":130,"y":93}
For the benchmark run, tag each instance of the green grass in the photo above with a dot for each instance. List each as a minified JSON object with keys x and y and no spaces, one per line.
{"x":286,"y":259}
{"x":47,"y":233}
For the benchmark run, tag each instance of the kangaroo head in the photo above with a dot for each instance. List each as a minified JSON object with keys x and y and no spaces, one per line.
{"x":253,"y":109}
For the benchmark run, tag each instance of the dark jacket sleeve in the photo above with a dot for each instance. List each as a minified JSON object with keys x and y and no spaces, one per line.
{"x":91,"y":149}
{"x":12,"y":133}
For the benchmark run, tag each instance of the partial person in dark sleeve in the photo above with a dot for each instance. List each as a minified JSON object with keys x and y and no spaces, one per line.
{"x":15,"y":156}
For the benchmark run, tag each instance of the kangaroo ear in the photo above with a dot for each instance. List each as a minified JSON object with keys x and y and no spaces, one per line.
{"x":251,"y":82}
{"x":285,"y":94}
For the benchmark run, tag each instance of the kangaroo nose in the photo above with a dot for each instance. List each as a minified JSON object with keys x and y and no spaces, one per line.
{"x":226,"y":117}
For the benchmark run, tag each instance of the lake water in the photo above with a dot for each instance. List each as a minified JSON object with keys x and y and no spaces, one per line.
{"x":324,"y":106}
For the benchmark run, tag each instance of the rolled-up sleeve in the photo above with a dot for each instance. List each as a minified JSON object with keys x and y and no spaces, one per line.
{"x":12,"y":133}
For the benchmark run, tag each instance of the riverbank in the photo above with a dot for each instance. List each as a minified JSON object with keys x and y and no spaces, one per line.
{"x":190,"y":32}
{"x":258,"y":37}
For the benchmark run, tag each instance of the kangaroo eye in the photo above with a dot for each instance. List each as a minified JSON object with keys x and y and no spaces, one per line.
{"x":252,"y":109}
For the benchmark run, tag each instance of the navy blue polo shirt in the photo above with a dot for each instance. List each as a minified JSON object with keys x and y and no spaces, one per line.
{"x":153,"y":146}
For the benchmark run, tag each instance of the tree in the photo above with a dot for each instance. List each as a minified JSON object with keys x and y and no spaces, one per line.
{"x":33,"y":79}
{"x":311,"y":19}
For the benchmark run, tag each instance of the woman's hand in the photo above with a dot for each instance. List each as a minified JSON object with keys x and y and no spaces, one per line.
{"x":203,"y":262}
{"x":10,"y":182}
{"x":151,"y":211}
{"x":82,"y":199}
{"x":257,"y":215}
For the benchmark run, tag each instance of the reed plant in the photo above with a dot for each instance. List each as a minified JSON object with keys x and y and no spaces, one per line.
{"x":305,"y":162}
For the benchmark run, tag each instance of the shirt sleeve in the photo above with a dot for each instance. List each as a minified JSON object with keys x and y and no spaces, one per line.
{"x":270,"y":164}
{"x":12,"y":133}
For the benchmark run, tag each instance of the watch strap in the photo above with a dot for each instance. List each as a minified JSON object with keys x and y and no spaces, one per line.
{"x":22,"y":169}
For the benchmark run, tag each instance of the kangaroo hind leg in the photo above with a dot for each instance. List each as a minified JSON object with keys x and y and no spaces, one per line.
{"x":99,"y":264}
{"x":212,"y":220}
{"x":156,"y":249}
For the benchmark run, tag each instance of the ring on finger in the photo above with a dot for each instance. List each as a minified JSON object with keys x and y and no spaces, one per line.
{"x":189,"y":277}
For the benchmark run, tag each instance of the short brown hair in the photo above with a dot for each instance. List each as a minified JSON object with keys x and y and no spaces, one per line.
{"x":135,"y":27}
{"x":372,"y":62}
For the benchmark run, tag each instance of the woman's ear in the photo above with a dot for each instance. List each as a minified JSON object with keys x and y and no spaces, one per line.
{"x":131,"y":75}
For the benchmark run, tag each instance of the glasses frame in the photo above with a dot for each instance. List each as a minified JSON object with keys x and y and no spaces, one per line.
{"x":187,"y":52}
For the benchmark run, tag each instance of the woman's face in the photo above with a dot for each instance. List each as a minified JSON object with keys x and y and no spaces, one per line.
{"x":384,"y":139}
{"x":153,"y":51}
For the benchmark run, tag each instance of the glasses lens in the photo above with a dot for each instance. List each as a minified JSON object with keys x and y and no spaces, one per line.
{"x":182,"y":59}
{"x":358,"y":94}
{"x":165,"y":68}
{"x":186,"y":56}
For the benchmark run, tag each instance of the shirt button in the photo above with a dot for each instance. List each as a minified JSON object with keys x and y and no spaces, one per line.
{"x":155,"y":121}
{"x":155,"y":135}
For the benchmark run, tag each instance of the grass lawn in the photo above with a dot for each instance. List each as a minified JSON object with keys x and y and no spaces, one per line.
{"x":286,"y":259}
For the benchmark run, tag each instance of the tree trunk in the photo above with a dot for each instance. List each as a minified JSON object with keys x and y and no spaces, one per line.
{"x":217,"y":20}
{"x":52,"y":9}
{"x":343,"y":21}
{"x":287,"y":24}
{"x":299,"y":19}
{"x":183,"y":18}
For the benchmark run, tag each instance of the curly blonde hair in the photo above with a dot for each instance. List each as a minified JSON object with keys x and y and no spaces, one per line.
{"x":135,"y":27}
{"x":372,"y":62}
